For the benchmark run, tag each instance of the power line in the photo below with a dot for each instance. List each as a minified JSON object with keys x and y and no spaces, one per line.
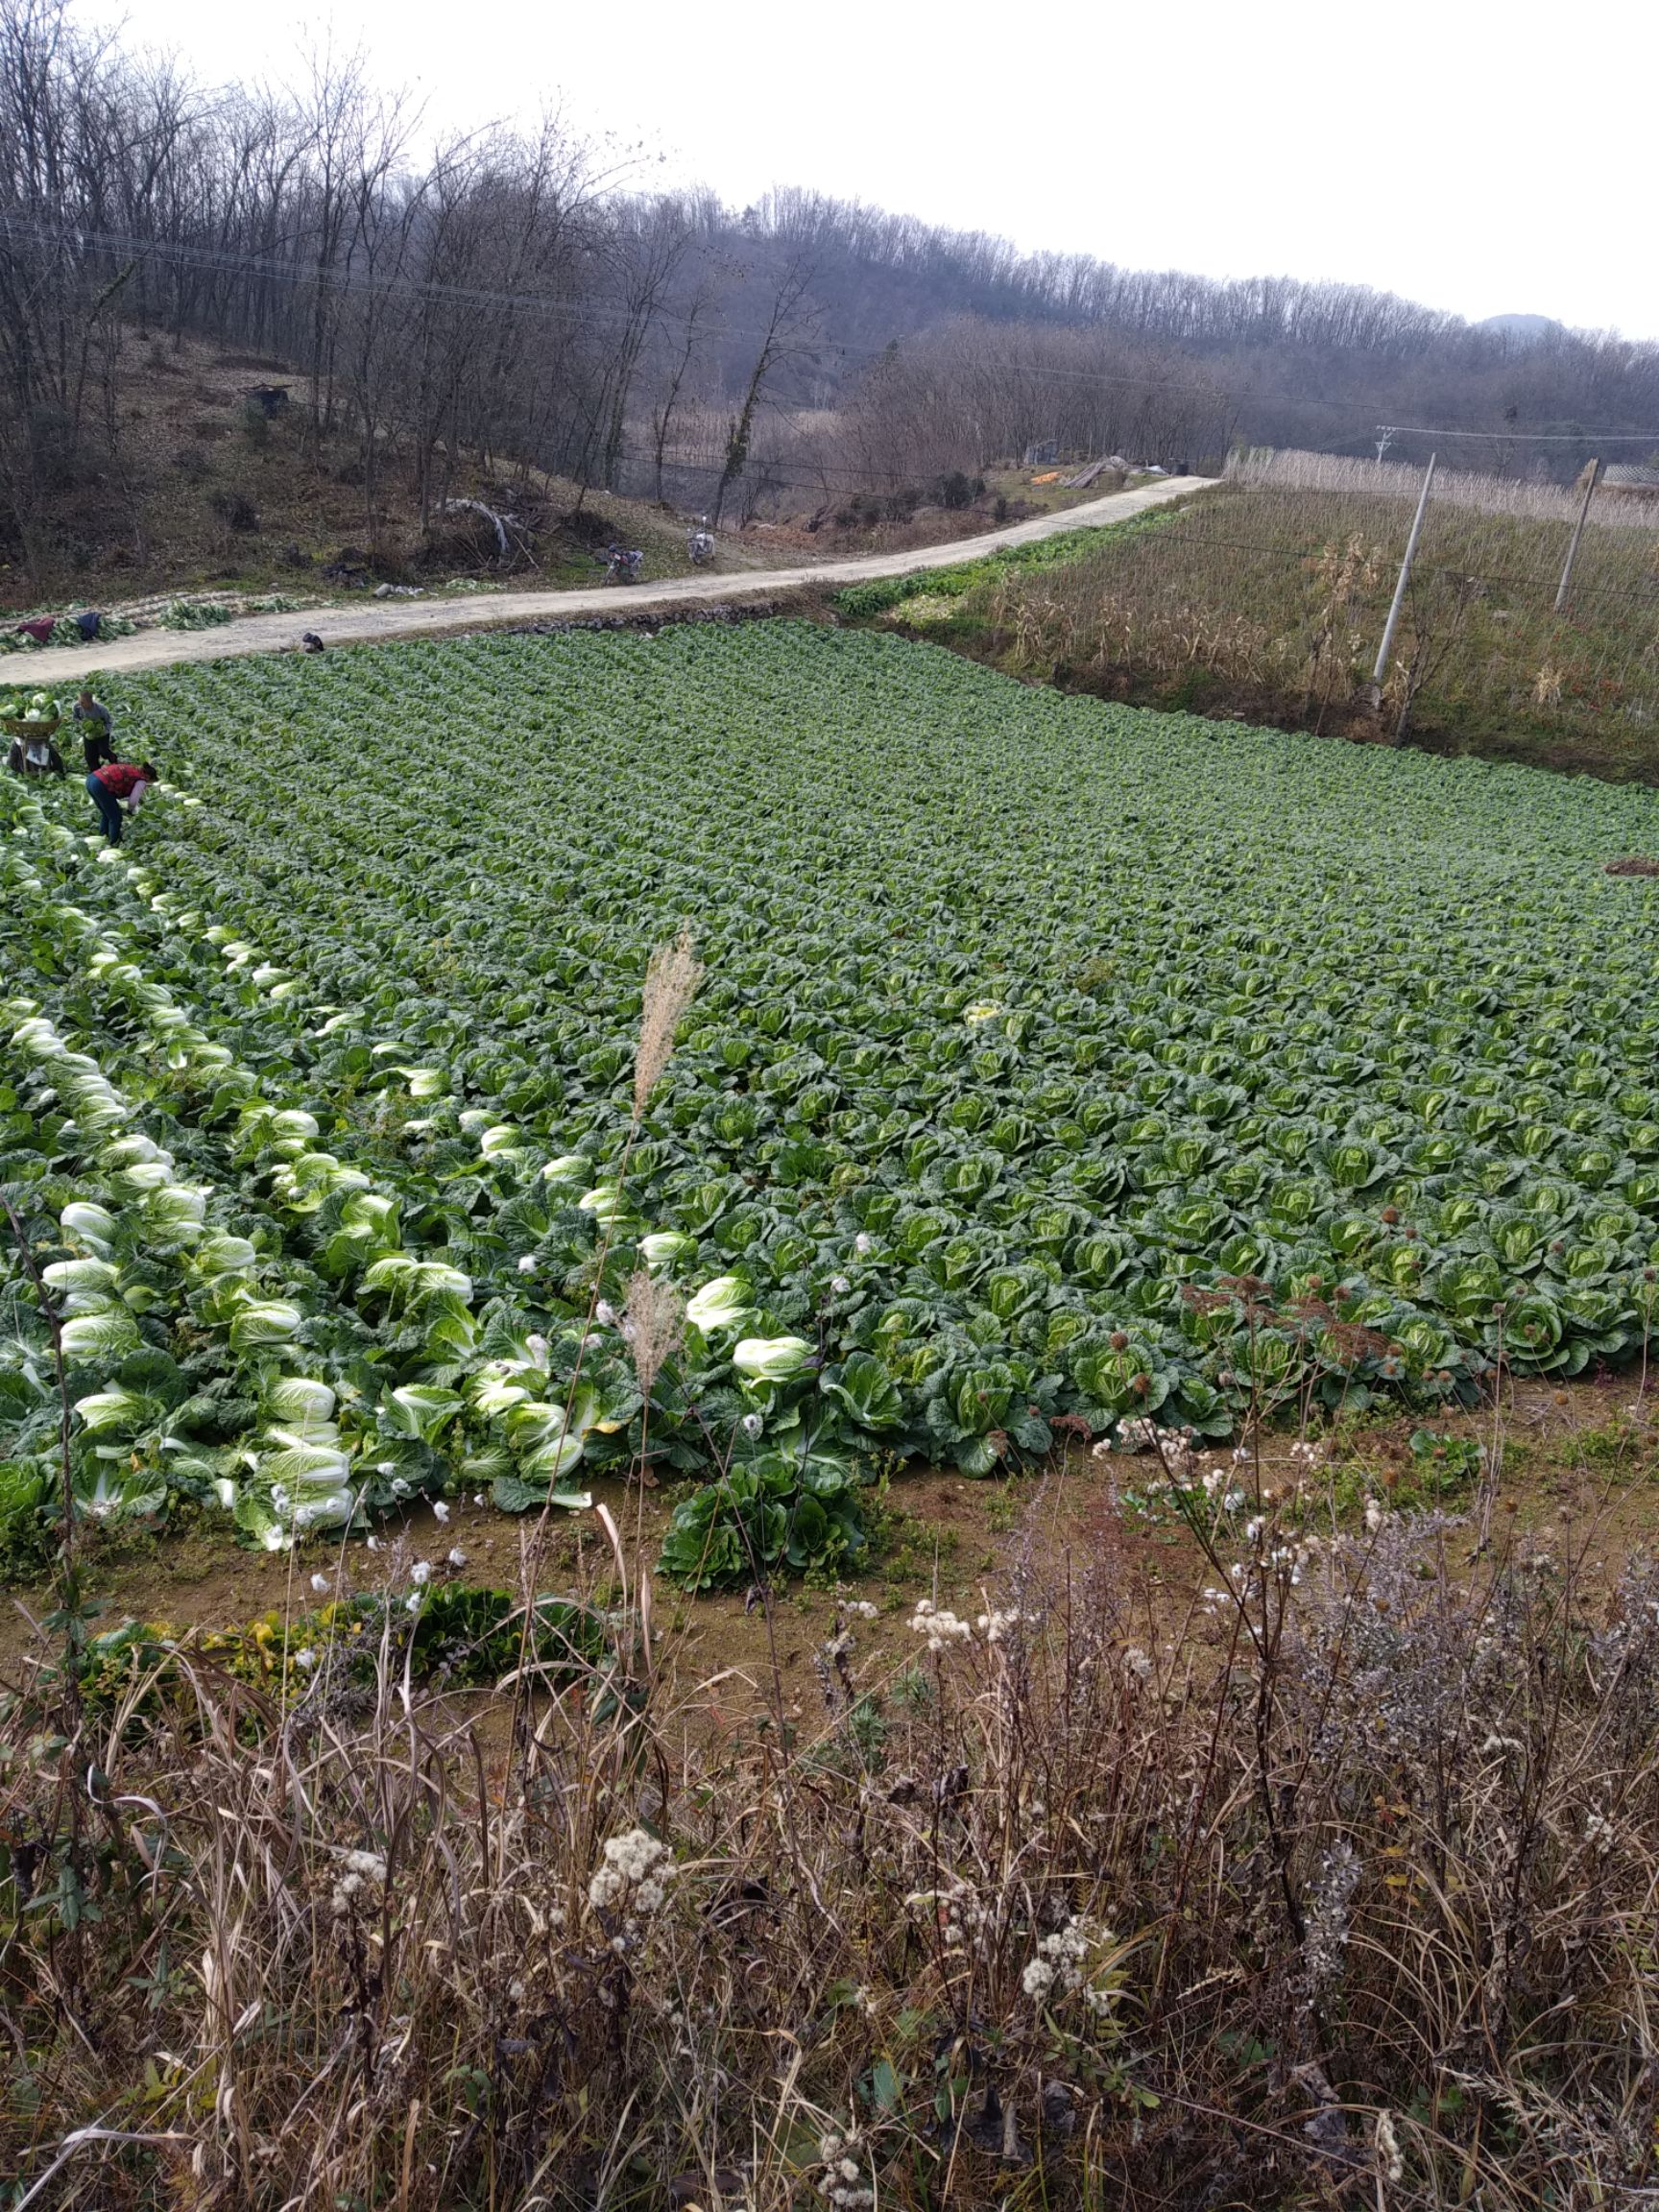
{"x":1513,"y":436}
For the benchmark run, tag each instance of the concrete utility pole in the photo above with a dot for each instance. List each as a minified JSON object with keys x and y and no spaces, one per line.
{"x":1393,"y":622}
{"x":1577,"y":532}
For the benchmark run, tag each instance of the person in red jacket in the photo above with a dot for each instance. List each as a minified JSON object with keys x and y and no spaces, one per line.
{"x":115,"y":785}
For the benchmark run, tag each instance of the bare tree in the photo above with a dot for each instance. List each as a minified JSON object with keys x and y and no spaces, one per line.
{"x":790,"y":328}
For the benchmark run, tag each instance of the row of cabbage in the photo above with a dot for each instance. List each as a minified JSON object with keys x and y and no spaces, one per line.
{"x":316,"y":1370}
{"x":1028,"y":1024}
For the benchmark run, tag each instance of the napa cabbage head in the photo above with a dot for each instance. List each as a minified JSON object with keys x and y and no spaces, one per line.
{"x":723,"y":1303}
{"x":664,"y":1246}
{"x":771,"y":1358}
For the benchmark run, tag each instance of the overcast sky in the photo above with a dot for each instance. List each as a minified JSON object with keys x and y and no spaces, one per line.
{"x":1477,"y":157}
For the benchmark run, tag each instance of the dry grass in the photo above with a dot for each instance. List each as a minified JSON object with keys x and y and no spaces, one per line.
{"x":1337,"y":1887}
{"x":1267,"y":599}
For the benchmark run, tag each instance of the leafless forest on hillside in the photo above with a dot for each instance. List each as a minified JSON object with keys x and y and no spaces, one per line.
{"x":523,"y":298}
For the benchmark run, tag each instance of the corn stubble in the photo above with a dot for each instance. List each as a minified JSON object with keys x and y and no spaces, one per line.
{"x":1339,"y":1889}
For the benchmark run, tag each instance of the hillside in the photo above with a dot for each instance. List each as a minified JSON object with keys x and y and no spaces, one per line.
{"x":205,"y":495}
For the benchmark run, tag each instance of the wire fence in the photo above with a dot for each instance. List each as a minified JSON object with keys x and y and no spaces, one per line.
{"x":1342,"y":476}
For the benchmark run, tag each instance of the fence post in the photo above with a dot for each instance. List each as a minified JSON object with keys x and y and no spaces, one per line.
{"x":1393,"y":622}
{"x":1577,"y":532}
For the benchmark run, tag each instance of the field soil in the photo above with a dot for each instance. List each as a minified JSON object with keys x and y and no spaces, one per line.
{"x":1579,"y":1488}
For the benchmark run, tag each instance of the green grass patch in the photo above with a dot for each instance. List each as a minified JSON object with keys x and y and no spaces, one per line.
{"x":861,"y":602}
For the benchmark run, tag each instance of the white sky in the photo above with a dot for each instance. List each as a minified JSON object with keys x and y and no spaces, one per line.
{"x":1479,"y":157}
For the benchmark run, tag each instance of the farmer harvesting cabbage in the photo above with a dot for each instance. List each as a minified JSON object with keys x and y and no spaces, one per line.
{"x":118,"y":785}
{"x":97,"y":729}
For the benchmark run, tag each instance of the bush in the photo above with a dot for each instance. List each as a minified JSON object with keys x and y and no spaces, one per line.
{"x":236,"y":511}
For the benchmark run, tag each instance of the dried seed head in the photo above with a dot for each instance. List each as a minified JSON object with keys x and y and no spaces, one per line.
{"x":656,"y":1323}
{"x":671,"y":980}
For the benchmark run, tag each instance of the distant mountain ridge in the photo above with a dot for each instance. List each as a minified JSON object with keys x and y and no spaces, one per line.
{"x":1529,"y":326}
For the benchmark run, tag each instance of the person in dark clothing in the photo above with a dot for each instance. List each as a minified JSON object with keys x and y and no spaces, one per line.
{"x":97,"y":730}
{"x":115,"y":786}
{"x":34,"y":754}
{"x":310,"y":643}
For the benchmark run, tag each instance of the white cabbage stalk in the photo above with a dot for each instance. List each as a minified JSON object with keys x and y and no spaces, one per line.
{"x":106,"y":1409}
{"x":81,"y":1275}
{"x":492,"y":1395}
{"x":37,"y":1039}
{"x":264,"y":1321}
{"x":124,"y":1152}
{"x":332,"y":1509}
{"x":604,"y":1202}
{"x":90,"y":1223}
{"x":532,"y":1425}
{"x":566,"y":1169}
{"x":311,"y":1466}
{"x":179,"y":1211}
{"x":293,"y":1122}
{"x":403,"y":1271}
{"x":147,"y":1175}
{"x":550,"y":1462}
{"x":220,"y":1255}
{"x":101,"y":1335}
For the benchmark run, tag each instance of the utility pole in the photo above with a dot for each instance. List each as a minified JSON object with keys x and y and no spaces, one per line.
{"x":1577,"y":532}
{"x":1393,"y":622}
{"x":1385,"y":438}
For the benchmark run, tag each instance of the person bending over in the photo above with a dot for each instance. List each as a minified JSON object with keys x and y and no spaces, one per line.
{"x":118,"y":785}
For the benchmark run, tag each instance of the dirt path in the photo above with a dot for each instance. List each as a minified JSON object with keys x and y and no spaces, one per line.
{"x":376,"y":621}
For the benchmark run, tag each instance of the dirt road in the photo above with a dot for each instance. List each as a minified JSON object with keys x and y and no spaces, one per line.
{"x":376,"y":621}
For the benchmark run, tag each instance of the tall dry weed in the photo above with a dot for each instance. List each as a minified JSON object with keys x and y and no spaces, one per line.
{"x":671,"y":980}
{"x":1333,"y":1882}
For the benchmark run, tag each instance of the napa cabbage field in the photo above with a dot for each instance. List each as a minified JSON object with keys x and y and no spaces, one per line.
{"x":1052,"y":1063}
